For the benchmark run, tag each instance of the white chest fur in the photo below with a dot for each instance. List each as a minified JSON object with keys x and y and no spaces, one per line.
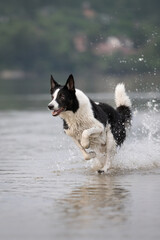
{"x":82,"y":120}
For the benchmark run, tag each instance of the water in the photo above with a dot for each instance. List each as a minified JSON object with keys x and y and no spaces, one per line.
{"x":47,"y":190}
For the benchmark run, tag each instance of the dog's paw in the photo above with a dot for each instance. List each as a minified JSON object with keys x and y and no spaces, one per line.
{"x":85,"y":142}
{"x":89,"y":155}
{"x":101,"y":171}
{"x":105,"y":169}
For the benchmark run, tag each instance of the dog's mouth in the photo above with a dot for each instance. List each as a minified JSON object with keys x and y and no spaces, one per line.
{"x":57,"y":112}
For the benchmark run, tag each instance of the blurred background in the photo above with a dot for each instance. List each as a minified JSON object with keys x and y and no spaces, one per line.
{"x":101,"y":42}
{"x":47,"y":190}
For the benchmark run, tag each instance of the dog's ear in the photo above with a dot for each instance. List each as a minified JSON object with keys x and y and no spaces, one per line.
{"x":53,"y":83}
{"x":70,"y":83}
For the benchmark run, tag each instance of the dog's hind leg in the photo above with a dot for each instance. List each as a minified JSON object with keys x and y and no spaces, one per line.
{"x":86,"y":155}
{"x":110,"y":152}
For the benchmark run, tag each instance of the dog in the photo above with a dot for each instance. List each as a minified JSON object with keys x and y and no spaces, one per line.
{"x":97,"y":128}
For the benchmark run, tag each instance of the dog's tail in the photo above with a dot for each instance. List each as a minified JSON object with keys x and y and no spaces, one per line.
{"x":123,"y":104}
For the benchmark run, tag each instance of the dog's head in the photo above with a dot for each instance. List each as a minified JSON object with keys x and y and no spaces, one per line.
{"x":63,"y":97}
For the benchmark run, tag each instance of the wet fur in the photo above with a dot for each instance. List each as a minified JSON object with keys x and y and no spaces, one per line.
{"x":96,"y":128}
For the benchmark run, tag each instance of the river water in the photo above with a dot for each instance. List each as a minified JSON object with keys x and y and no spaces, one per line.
{"x":47,"y":190}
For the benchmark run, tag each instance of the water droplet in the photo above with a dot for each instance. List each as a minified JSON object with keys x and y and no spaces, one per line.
{"x":140,"y":59}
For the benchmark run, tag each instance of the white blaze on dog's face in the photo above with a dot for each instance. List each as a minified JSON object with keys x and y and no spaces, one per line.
{"x":63,"y":97}
{"x":54,"y":103}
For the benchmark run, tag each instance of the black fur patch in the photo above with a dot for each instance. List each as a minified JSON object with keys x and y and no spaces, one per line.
{"x":115,"y":119}
{"x":98,"y":112}
{"x":126,"y":114}
{"x":65,"y":125}
{"x":107,"y":114}
{"x":67,"y":99}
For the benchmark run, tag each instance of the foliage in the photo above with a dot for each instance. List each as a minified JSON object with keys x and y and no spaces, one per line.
{"x":38,"y":35}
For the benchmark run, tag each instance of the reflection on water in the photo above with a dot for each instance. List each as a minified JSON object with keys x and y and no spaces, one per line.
{"x":99,"y":198}
{"x":47,"y":190}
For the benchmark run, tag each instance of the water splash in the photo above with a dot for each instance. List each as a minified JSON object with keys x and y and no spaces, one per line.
{"x":142,"y":147}
{"x":141,"y":150}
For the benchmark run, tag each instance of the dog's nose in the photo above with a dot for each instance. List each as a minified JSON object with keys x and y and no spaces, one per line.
{"x":50,"y":107}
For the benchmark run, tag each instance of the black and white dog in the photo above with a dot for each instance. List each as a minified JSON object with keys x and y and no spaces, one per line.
{"x":94,"y":126}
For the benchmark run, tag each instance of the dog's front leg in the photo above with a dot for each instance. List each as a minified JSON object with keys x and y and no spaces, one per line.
{"x":86,"y":155}
{"x":91,"y":132}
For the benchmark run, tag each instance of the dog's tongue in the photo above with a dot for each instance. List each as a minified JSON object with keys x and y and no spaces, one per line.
{"x":57,"y":112}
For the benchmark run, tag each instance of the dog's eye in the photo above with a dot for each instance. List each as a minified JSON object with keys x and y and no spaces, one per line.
{"x":52,"y":97}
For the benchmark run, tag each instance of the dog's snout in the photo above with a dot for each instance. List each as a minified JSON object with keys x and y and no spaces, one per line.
{"x":50,"y":107}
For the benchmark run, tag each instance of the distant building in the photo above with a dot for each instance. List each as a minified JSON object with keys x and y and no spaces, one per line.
{"x":114,"y":44}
